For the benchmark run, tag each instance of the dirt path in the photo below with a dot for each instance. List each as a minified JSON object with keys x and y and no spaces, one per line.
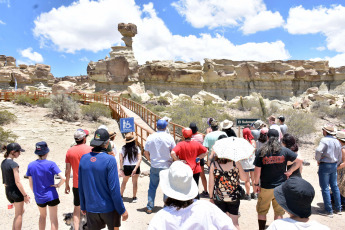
{"x":32,"y":126}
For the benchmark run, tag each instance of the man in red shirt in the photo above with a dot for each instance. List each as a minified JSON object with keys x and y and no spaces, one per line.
{"x":190,"y":153}
{"x":72,"y":161}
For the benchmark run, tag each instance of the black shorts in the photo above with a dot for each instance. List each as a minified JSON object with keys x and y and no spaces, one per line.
{"x":51,"y":203}
{"x":249,"y":170}
{"x":99,"y":220}
{"x":202,"y":162}
{"x":230,"y":207}
{"x":76,"y":200}
{"x":13,"y":194}
{"x":128,"y":169}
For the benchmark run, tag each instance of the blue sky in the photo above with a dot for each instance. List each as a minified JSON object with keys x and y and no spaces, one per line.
{"x":67,"y":34}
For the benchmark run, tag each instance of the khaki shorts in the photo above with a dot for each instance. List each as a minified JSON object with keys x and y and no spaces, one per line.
{"x":264,"y":203}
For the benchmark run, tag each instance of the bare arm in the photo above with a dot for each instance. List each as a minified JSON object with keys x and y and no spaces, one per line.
{"x":243,"y":175}
{"x":68,"y":175}
{"x":31,"y":183}
{"x":211,"y":182}
{"x":296,"y":164}
{"x":257,"y":174}
{"x":342,"y":164}
{"x":19,"y":184}
{"x":174,"y":156}
{"x":138,"y":164}
{"x":147,"y":155}
{"x":210,"y":157}
{"x":202,"y":155}
{"x":62,"y":180}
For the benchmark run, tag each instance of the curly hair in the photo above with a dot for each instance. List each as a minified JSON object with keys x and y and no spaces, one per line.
{"x":178,"y":204}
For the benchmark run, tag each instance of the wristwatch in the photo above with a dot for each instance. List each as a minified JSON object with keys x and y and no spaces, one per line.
{"x":257,"y":184}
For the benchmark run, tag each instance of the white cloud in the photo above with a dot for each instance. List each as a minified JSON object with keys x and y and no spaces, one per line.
{"x":92,"y":26}
{"x":251,"y":15}
{"x":336,"y":61}
{"x":2,"y":23}
{"x":327,"y":21}
{"x":264,"y":20}
{"x":32,"y":57}
{"x":320,"y":48}
{"x":85,"y":59}
{"x":6,"y":2}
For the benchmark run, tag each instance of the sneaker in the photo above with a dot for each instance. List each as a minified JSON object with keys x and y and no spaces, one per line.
{"x":135,"y":200}
{"x":247,"y":197}
{"x":337,"y":212}
{"x":204,"y":194}
{"x":254,"y":196}
{"x":324,"y":213}
{"x":306,"y":163}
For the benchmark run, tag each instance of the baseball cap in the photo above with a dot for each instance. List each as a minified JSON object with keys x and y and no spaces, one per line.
{"x":79,"y":135}
{"x":101,"y":136}
{"x":14,"y":146}
{"x":161,"y":124}
{"x":41,"y":148}
{"x":187,"y":133}
{"x":281,"y":118}
{"x":273,"y":133}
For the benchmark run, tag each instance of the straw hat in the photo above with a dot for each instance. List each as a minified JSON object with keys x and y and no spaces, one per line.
{"x":226,"y":124}
{"x":341,"y":135}
{"x":130,"y":137}
{"x":177,"y":182}
{"x":329,"y":128}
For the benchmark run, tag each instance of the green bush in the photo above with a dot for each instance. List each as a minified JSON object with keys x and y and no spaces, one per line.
{"x":163,"y":101}
{"x":6,"y":117}
{"x":95,"y":110}
{"x":6,"y":137}
{"x":64,"y":107}
{"x":24,"y":100}
{"x":299,"y":123}
{"x":42,"y":102}
{"x":186,"y":112}
{"x":323,"y":109}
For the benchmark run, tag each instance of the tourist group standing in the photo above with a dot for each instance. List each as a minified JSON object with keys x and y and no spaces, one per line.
{"x":266,"y":159}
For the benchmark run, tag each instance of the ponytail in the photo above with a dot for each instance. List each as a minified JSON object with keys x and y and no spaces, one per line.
{"x":4,"y":148}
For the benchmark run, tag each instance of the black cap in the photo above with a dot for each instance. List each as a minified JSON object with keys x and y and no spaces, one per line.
{"x":295,"y":196}
{"x":193,"y":127}
{"x":281,"y":118}
{"x":101,"y":136}
{"x":14,"y":146}
{"x":273,"y":133}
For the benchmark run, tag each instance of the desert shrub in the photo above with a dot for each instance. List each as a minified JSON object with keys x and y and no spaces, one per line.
{"x":95,"y":110}
{"x":42,"y":102}
{"x":24,"y":100}
{"x":186,"y":112}
{"x":6,"y":136}
{"x":163,"y":101}
{"x":299,"y":123}
{"x":6,"y":117}
{"x":158,"y":108}
{"x":322,"y":109}
{"x":64,"y":107}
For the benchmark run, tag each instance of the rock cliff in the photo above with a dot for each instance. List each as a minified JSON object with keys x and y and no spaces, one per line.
{"x":226,"y":78}
{"x":24,"y":74}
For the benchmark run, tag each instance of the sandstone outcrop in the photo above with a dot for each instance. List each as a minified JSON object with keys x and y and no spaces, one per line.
{"x":63,"y":87}
{"x":23,"y":74}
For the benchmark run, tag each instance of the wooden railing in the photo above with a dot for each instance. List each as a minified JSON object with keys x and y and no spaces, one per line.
{"x":115,"y":103}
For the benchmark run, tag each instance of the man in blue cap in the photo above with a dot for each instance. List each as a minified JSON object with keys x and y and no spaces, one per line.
{"x":157,"y":150}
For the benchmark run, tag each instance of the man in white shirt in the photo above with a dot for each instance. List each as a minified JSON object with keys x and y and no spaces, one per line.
{"x":273,"y":125}
{"x":157,"y":150}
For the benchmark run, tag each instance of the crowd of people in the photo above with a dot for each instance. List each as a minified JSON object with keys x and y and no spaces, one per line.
{"x":271,"y":170}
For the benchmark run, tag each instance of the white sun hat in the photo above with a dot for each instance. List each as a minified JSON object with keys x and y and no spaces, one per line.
{"x":177,"y":182}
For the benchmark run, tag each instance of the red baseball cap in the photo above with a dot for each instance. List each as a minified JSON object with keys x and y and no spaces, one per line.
{"x":187,"y":133}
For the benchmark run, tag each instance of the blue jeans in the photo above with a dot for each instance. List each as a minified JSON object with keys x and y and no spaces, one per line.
{"x":154,"y":181}
{"x":328,"y":177}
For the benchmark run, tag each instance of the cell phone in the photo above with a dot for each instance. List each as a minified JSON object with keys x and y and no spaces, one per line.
{"x":197,"y":160}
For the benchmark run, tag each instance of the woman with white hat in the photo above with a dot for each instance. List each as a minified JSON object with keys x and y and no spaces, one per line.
{"x":227,"y":128}
{"x":341,"y":167}
{"x":182,"y":211}
{"x":130,"y":159}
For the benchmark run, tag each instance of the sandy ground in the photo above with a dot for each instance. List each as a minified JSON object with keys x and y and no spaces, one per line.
{"x":33,"y":126}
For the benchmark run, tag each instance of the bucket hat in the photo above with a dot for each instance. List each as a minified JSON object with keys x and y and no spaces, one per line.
{"x":295,"y":196}
{"x":41,"y":148}
{"x":130,"y":137}
{"x":187,"y":133}
{"x":226,"y":124}
{"x":14,"y":146}
{"x":101,"y":136}
{"x":341,"y":135}
{"x":258,"y":124}
{"x":329,"y":128}
{"x":177,"y":182}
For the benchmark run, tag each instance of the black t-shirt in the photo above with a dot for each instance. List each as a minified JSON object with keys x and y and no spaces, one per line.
{"x":273,"y":167}
{"x":7,"y":167}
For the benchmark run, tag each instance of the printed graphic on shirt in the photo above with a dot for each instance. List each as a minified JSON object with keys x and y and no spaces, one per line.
{"x":273,"y":160}
{"x":93,"y":159}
